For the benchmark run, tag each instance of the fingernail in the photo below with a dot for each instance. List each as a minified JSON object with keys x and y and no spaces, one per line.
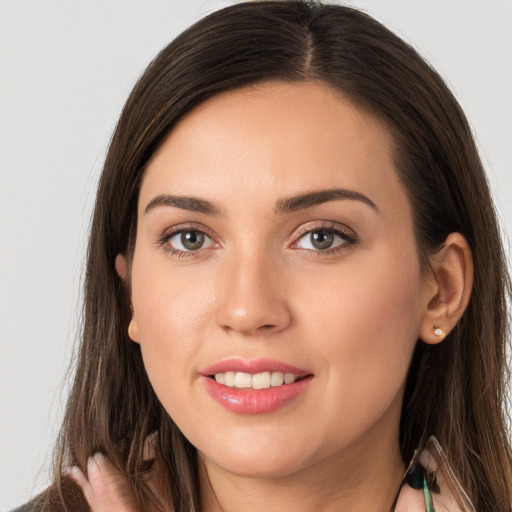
{"x":71,"y":471}
{"x":98,"y":456}
{"x":95,"y":461}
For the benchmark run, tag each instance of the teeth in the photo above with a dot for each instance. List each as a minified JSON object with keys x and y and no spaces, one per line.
{"x":277,"y":379}
{"x":289,"y":378}
{"x":262,"y":380}
{"x":229,"y":379}
{"x":243,"y":380}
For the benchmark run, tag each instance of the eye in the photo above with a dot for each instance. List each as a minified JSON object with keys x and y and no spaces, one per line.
{"x":324,"y":239}
{"x":187,"y":240}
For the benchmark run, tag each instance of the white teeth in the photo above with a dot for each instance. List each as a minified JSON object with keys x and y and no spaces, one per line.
{"x":229,"y":379}
{"x":277,"y":379}
{"x":262,"y":380}
{"x":243,"y":380}
{"x":289,"y":378}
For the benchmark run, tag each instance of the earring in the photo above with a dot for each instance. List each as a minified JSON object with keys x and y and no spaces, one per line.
{"x":439,"y":332}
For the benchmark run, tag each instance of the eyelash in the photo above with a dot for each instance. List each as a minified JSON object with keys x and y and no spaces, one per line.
{"x":346,"y":234}
{"x":180,"y":230}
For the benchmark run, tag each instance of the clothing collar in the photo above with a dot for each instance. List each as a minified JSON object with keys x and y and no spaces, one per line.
{"x":431,"y":485}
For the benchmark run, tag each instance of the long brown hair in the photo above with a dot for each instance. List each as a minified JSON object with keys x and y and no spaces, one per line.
{"x":455,"y":390}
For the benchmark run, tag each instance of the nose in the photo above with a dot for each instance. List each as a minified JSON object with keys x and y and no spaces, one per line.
{"x":253,"y":299}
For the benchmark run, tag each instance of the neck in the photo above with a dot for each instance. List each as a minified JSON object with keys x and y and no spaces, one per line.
{"x":364,"y":477}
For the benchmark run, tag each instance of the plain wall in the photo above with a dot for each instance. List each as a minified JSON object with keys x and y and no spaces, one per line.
{"x":66,"y":68}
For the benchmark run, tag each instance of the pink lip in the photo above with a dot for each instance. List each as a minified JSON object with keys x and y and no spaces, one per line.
{"x":254,"y":401}
{"x":253,"y":366}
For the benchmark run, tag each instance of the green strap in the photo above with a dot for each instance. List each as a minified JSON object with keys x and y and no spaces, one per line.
{"x":428,"y":497}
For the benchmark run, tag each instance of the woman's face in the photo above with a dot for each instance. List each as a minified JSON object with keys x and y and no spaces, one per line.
{"x":274,"y":238}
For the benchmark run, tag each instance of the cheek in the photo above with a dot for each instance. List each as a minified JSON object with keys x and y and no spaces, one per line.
{"x":366,"y":325}
{"x":379,"y":331}
{"x":171,"y":306}
{"x":172,"y":312}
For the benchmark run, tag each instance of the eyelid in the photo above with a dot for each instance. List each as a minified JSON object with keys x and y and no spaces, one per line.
{"x":327,"y":225}
{"x":180,"y":228}
{"x":191,"y":226}
{"x":338,"y":229}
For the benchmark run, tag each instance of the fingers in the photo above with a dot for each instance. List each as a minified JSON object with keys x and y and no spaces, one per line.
{"x":105,"y":489}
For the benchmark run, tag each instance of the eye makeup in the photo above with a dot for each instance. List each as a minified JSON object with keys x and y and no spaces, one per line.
{"x":324,"y":238}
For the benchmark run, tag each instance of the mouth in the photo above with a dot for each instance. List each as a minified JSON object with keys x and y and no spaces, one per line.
{"x":261,"y":380}
{"x":255,"y":386}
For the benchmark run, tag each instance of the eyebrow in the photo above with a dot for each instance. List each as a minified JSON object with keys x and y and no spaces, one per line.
{"x":193,"y":204}
{"x":310,"y":199}
{"x":288,"y":205}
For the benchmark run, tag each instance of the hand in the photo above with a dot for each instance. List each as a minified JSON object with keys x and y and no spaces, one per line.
{"x":106,"y":489}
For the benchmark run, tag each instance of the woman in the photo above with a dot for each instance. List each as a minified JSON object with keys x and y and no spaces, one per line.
{"x":294,"y":280}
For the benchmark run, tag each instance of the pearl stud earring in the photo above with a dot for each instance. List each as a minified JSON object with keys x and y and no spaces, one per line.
{"x":439,"y":332}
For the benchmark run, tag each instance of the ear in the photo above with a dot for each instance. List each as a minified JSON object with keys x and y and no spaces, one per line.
{"x":122,"y":271}
{"x":448,"y":288}
{"x":121,"y":267}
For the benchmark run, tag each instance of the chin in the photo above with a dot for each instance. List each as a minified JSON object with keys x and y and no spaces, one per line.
{"x":267,"y":457}
{"x":260,"y":465}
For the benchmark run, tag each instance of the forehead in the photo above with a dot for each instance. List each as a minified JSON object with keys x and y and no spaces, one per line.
{"x":274,"y":139}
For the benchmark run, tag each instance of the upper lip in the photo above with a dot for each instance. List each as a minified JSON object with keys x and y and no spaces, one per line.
{"x":253,"y":366}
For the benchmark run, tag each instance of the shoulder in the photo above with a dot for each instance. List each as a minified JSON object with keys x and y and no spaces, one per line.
{"x":50,"y":500}
{"x":430,"y":483}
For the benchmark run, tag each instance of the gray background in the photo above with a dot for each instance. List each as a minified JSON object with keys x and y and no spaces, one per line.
{"x":65,"y":69}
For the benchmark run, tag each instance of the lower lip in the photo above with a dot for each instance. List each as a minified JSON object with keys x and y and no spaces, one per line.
{"x":255,"y":401}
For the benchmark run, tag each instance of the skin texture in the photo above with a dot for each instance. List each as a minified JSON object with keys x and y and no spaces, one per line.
{"x":257,"y":288}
